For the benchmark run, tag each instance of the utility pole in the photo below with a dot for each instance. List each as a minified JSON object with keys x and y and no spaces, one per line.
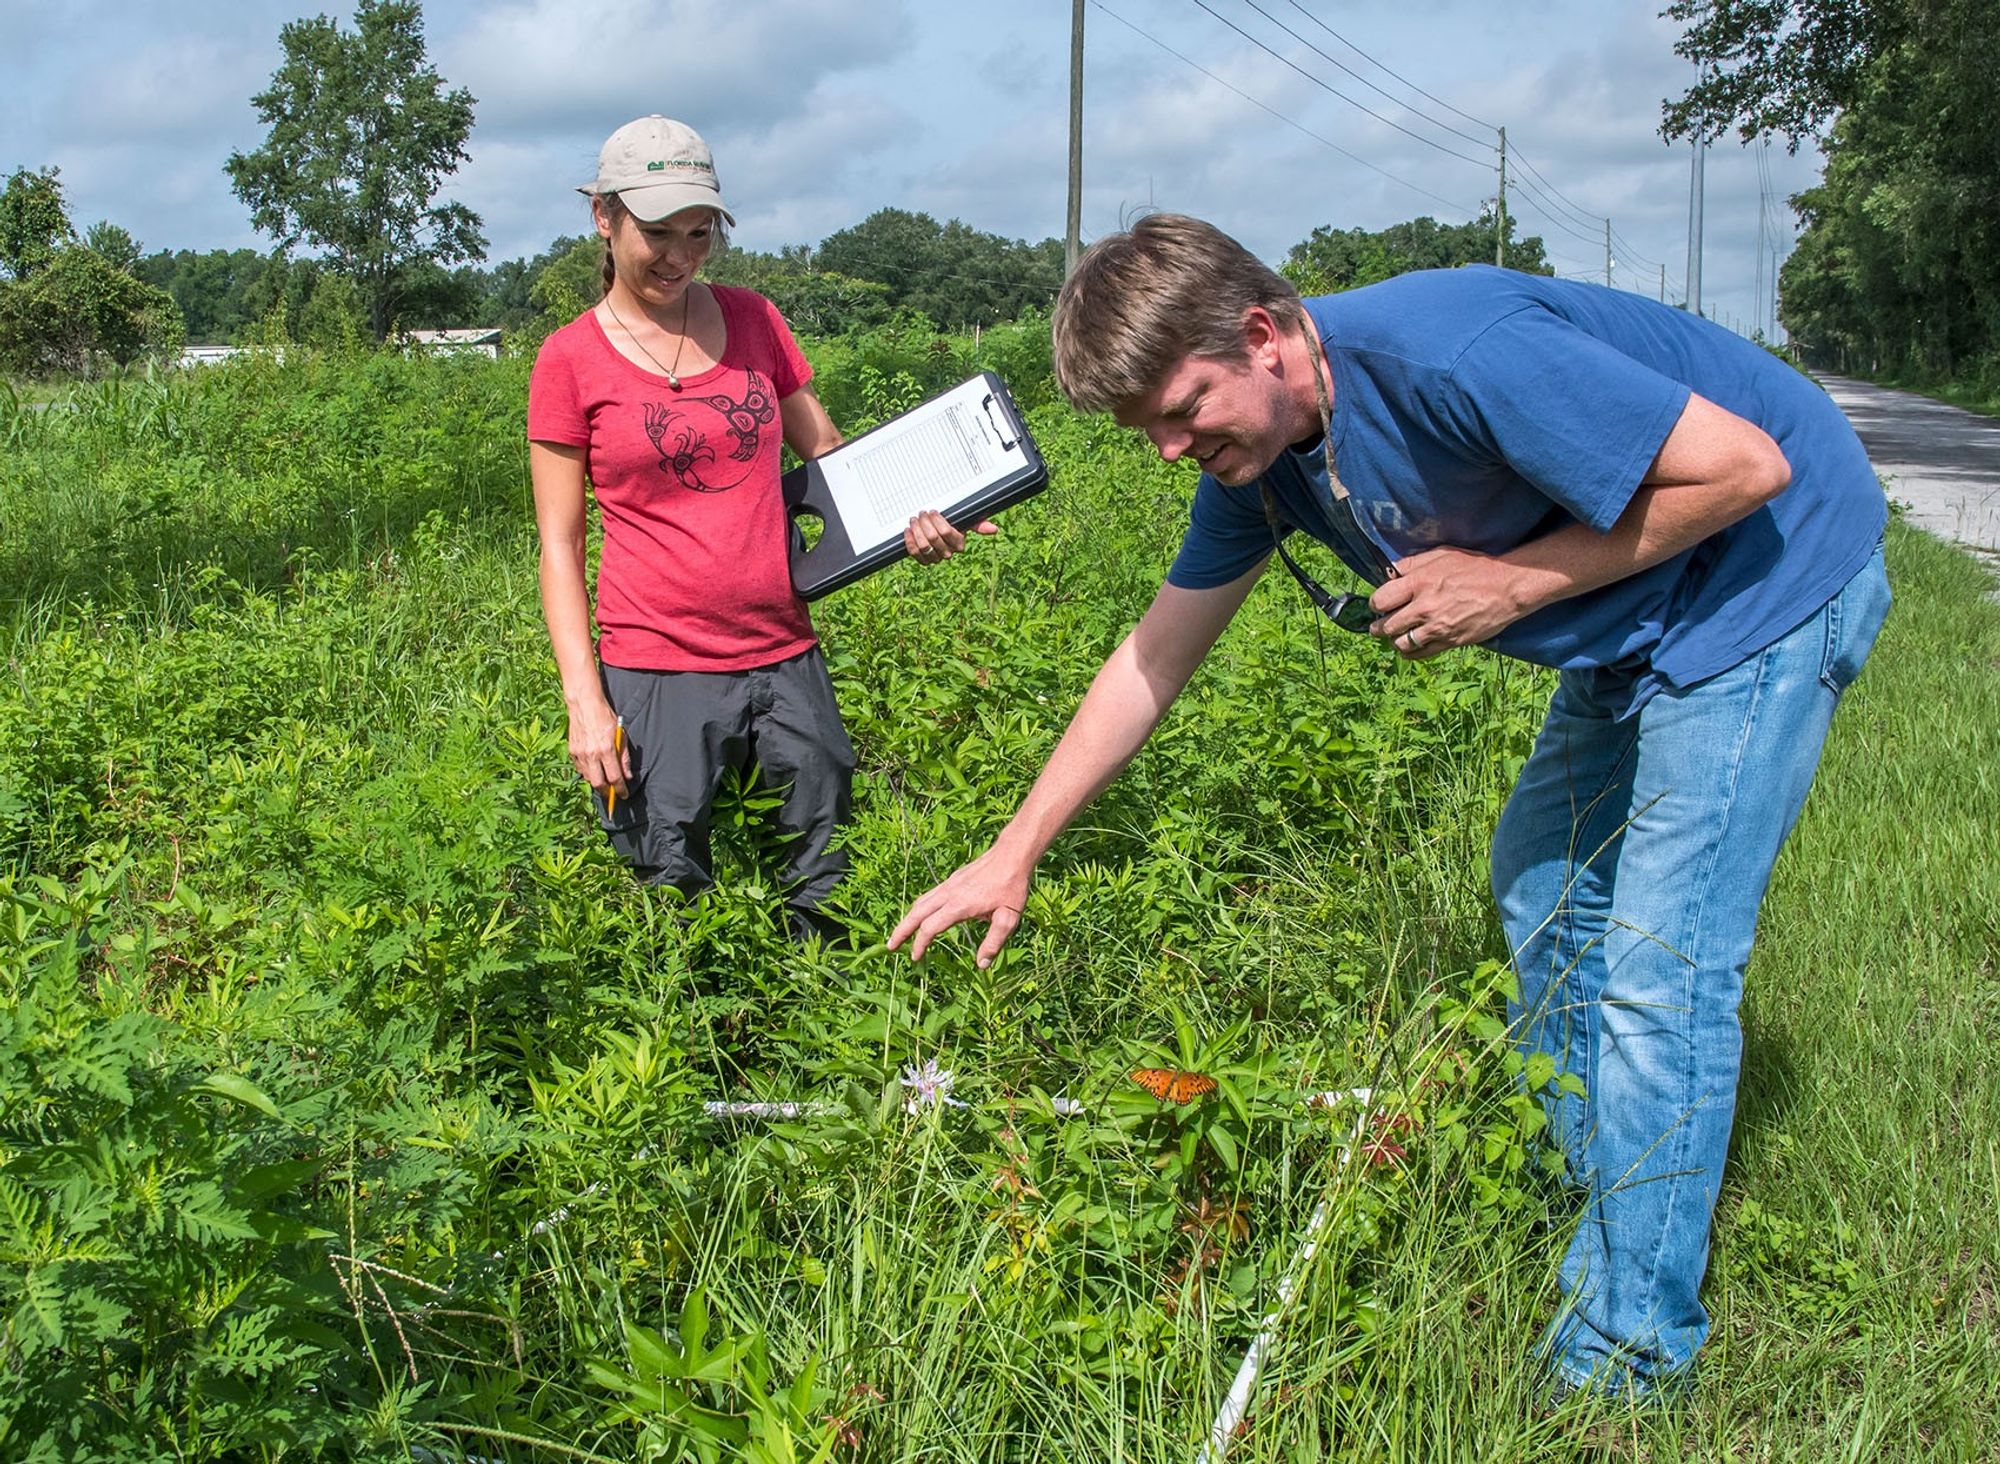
{"x":1694,"y":226}
{"x":1500,"y":230}
{"x":1774,"y":294}
{"x":1759,"y":295}
{"x":1072,"y":238}
{"x":1663,"y":284}
{"x":1607,"y":254}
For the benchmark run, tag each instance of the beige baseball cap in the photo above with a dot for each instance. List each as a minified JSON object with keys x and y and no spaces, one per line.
{"x":658,"y":166}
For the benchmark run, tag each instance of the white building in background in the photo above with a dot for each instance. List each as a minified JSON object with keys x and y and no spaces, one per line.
{"x":209,"y":355}
{"x":481,"y":340}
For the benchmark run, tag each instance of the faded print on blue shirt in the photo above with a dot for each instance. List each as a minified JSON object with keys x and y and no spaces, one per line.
{"x":1481,"y":408}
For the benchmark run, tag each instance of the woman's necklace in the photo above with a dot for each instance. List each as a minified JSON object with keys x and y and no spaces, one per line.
{"x":673,"y":380}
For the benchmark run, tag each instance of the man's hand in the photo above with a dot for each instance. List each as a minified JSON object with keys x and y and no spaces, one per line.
{"x":1444,"y":598}
{"x":1714,"y":469}
{"x":993,"y":888}
{"x":930,"y":538}
{"x":1132,"y":690}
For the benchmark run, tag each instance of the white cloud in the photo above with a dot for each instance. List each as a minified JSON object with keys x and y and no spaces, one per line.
{"x":177,"y":90}
{"x":720,"y":65}
{"x":821,"y":111}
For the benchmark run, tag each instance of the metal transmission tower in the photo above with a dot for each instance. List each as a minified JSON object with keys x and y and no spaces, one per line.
{"x":1694,"y":227}
{"x":1695,"y":189}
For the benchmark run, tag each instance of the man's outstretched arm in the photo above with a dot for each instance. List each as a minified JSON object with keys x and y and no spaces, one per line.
{"x":1130,"y":694}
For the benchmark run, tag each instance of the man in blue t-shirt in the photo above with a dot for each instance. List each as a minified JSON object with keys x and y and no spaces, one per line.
{"x":1682,"y":525}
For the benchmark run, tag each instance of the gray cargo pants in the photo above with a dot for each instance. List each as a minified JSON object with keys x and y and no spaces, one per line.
{"x":683,"y":729}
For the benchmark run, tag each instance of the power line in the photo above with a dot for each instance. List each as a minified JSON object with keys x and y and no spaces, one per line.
{"x":1443,"y":126}
{"x":1373,"y":62}
{"x":1584,"y":215}
{"x":1625,"y":248}
{"x":1458,"y":208}
{"x":1541,"y":206}
{"x":1576,"y":210}
{"x":1556,"y":207}
{"x":1335,"y":91}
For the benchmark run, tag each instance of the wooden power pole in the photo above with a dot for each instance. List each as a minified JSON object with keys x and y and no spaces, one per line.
{"x":1072,"y":238}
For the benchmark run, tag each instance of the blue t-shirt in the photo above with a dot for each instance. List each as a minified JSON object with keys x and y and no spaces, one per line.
{"x":1481,"y":408}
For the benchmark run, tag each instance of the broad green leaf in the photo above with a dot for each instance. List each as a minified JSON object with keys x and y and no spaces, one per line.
{"x":652,"y":1354}
{"x":265,"y":1180}
{"x":1224,"y":1144}
{"x":239,"y":1089}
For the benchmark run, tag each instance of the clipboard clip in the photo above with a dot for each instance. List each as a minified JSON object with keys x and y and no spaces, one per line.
{"x":991,"y":407}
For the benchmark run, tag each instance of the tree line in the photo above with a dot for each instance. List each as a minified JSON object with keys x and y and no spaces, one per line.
{"x":363,"y":135}
{"x":1897,"y":270}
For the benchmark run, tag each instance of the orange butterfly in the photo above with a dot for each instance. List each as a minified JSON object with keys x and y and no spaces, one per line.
{"x":1170,"y":1085}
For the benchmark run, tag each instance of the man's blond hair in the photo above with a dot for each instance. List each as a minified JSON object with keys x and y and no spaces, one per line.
{"x":1144,"y":299}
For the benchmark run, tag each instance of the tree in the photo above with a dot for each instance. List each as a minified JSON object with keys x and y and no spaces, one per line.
{"x":63,"y":303}
{"x":1898,"y":269}
{"x":214,"y":289}
{"x":1333,"y":259}
{"x":113,"y":244}
{"x":955,"y":274}
{"x":570,"y":283}
{"x":436,"y":298}
{"x":332,"y":317}
{"x":813,"y":300}
{"x":506,"y":292}
{"x":362,"y":136}
{"x":1776,"y":66}
{"x":77,"y":306}
{"x":34,"y":222}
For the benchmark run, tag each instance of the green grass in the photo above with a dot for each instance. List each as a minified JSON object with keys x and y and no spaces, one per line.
{"x":1976,"y":391}
{"x":312,"y":952}
{"x":1869,"y":1127}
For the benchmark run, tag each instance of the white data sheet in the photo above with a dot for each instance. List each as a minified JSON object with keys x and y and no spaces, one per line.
{"x":938,"y":455}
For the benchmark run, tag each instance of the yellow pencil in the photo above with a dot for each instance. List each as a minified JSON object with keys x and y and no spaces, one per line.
{"x":617,"y":745}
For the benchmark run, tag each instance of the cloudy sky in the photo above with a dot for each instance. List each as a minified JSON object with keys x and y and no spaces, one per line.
{"x":821,"y":111}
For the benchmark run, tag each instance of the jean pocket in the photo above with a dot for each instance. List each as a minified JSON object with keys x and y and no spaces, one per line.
{"x":1853,"y":621}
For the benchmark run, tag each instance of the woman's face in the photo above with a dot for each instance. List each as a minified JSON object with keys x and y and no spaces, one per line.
{"x":656,"y":262}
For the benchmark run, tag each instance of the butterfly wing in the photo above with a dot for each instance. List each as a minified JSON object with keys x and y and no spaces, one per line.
{"x":1171,"y":1085}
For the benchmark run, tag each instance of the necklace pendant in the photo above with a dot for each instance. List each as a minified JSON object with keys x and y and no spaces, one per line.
{"x":673,"y":381}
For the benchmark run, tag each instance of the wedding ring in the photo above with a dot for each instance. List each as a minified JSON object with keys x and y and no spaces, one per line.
{"x":1410,"y":638}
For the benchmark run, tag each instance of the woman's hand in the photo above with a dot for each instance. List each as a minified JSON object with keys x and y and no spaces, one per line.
{"x":931,"y":539}
{"x":594,"y":746}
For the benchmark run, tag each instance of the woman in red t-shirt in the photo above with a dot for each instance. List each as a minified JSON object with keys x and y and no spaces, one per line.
{"x":671,"y":398}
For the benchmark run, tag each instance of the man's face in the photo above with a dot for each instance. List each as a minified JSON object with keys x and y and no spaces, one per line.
{"x":1230,"y":415}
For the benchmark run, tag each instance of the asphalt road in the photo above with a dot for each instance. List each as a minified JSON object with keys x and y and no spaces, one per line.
{"x":1942,"y":462}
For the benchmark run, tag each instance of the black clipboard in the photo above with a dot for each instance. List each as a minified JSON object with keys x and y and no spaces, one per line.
{"x":965,"y":451}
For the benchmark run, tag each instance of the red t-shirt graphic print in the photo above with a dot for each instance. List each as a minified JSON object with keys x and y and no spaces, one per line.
{"x":709,"y":443}
{"x":695,"y":574}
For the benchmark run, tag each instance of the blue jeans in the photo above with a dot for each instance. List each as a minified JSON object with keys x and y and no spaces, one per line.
{"x":1628,"y":867}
